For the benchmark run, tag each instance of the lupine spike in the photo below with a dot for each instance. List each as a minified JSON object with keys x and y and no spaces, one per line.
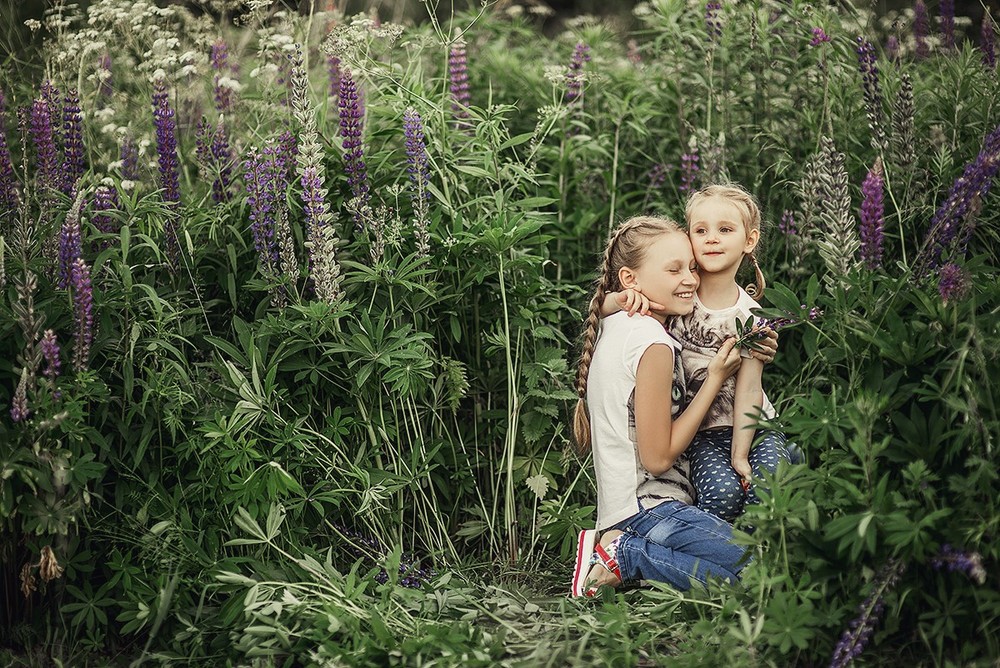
{"x":713,"y":26}
{"x":921,"y":28}
{"x":70,"y":242}
{"x":903,"y":150}
{"x":872,"y":92}
{"x":574,"y":77}
{"x":166,"y":148}
{"x":853,"y":641}
{"x":947,"y":9}
{"x":73,"y":162}
{"x":50,"y":353}
{"x":689,"y":170}
{"x":19,"y":410}
{"x":952,"y":223}
{"x":224,"y":85}
{"x":419,"y":170}
{"x":458,"y":82}
{"x":105,"y":199}
{"x":9,"y":189}
{"x":83,"y":313}
{"x":955,"y":560}
{"x":106,"y":88}
{"x":872,"y":217}
{"x":351,"y":129}
{"x":130,"y":159}
{"x":43,"y":138}
{"x":988,"y":42}
{"x":819,"y":36}
{"x":839,"y":241}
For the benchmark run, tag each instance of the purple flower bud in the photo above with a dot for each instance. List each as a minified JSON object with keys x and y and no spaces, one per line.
{"x":105,"y":200}
{"x":819,"y":36}
{"x":43,"y":137}
{"x":333,"y":75}
{"x":130,"y":159}
{"x":892,"y":48}
{"x":713,"y":26}
{"x":9,"y":188}
{"x":574,"y":77}
{"x":988,"y":40}
{"x":947,"y":8}
{"x":956,"y":561}
{"x":83,"y":315}
{"x":872,"y":92}
{"x":264,"y":182}
{"x":787,"y":226}
{"x":458,"y":81}
{"x":73,"y":166}
{"x":419,"y":170}
{"x":351,"y":129}
{"x":872,"y":217}
{"x":70,"y":247}
{"x":953,"y":283}
{"x":689,"y":170}
{"x":921,"y":28}
{"x":166,"y":148}
{"x":50,"y":353}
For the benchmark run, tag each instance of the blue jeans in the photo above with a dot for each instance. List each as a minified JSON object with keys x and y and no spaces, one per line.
{"x":715,"y":480}
{"x":677,"y":543}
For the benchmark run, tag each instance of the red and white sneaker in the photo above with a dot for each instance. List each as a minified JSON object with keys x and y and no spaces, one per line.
{"x":584,"y":558}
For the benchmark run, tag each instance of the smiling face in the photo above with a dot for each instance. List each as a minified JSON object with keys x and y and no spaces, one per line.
{"x":719,"y":236}
{"x":667,"y":274}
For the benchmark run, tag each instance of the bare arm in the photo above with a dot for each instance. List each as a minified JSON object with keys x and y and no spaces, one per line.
{"x":661,"y":440}
{"x":746,"y":408}
{"x":630,"y":300}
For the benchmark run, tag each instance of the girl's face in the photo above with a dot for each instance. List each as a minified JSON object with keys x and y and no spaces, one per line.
{"x":667,"y":274}
{"x":719,"y":237}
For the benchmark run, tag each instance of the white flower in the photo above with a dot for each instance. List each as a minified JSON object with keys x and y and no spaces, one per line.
{"x":128,"y":185}
{"x":33,"y":24}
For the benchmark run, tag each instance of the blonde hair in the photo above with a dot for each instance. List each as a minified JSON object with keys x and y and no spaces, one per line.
{"x":749,"y":211}
{"x":626,"y":248}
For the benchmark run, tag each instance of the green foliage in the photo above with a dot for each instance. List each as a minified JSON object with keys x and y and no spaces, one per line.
{"x":247,"y":474}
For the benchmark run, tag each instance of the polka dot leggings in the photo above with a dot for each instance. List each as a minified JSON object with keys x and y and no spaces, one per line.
{"x":715,"y":480}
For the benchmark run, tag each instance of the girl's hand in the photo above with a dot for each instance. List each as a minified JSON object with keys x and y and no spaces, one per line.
{"x":769,"y":342}
{"x":726,"y":362}
{"x":632,"y":301}
{"x":742,"y":468}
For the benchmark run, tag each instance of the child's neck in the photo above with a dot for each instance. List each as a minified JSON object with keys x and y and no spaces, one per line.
{"x":718,"y":290}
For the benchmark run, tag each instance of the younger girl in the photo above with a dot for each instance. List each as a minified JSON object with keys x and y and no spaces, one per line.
{"x":724,"y":226}
{"x":627,"y":372}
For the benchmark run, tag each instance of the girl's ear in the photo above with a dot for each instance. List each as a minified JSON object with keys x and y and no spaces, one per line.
{"x":752,"y":238}
{"x":627,"y":278}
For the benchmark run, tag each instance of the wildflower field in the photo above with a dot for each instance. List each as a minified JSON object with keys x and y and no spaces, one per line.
{"x":290,"y":311}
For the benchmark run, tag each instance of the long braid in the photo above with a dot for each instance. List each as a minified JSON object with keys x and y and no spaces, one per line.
{"x":622,"y":250}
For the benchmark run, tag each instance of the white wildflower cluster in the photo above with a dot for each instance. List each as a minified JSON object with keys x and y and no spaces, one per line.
{"x":34,"y":25}
{"x":361,"y":39}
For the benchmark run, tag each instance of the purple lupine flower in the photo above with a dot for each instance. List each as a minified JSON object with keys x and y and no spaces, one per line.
{"x":787,"y":225}
{"x":657,"y":176}
{"x":70,"y":243}
{"x":987,"y":42}
{"x":713,"y":26}
{"x":288,"y":151}
{"x":872,"y":217}
{"x":852,"y":642}
{"x":368,"y":548}
{"x":958,"y":210}
{"x":872,"y":92}
{"x":748,"y":337}
{"x":83,"y":312}
{"x":689,"y":170}
{"x":419,"y":169}
{"x":73,"y":166}
{"x":166,"y":148}
{"x":51,"y":95}
{"x":458,"y":81}
{"x":953,"y":283}
{"x":19,"y":410}
{"x":105,"y":199}
{"x":921,"y":28}
{"x":43,"y":137}
{"x":333,"y":75}
{"x":574,"y":77}
{"x":222,"y":91}
{"x":947,"y":9}
{"x":819,"y":36}
{"x":957,"y":561}
{"x":892,"y":49}
{"x":264,"y":180}
{"x":9,"y":190}
{"x":351,"y":128}
{"x":222,"y":159}
{"x":201,"y":143}
{"x":130,"y":159}
{"x":105,"y":89}
{"x":50,"y":353}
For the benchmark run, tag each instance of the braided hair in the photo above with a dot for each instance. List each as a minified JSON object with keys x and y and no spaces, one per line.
{"x":626,"y":248}
{"x":750,"y":211}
